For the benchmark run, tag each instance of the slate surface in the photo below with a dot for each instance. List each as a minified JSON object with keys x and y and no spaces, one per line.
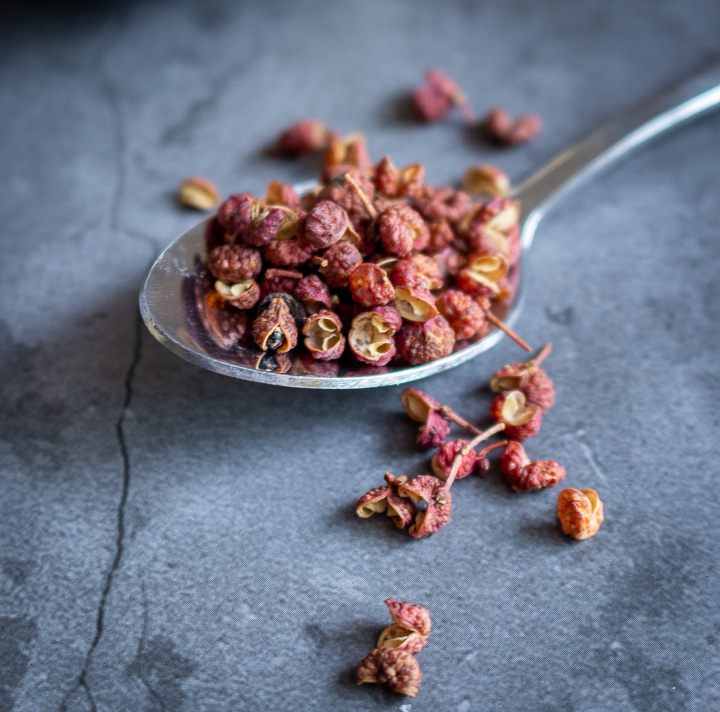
{"x":174,"y":540}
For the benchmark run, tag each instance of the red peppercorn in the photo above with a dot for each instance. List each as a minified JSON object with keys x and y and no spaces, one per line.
{"x":439,"y":504}
{"x":394,"y":183}
{"x":429,"y":104}
{"x":306,"y":136}
{"x":234,"y":263}
{"x":433,"y":431}
{"x":339,"y":192}
{"x":465,"y":316}
{"x":279,"y":280}
{"x":443,"y":459}
{"x":237,"y":213}
{"x":286,"y":253}
{"x":265,"y":227}
{"x":453,"y":205}
{"x":399,"y":227}
{"x":441,"y":235}
{"x":242,"y":295}
{"x":336,"y":263}
{"x":325,"y":224}
{"x":481,"y":274}
{"x":313,"y":293}
{"x":522,"y":421}
{"x":370,"y":286}
{"x":500,"y":127}
{"x":529,"y":378}
{"x":417,"y":269}
{"x":424,"y":342}
{"x":524,"y":475}
{"x":386,"y":176}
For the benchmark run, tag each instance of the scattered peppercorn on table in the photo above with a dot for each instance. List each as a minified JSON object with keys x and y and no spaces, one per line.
{"x":173,"y":539}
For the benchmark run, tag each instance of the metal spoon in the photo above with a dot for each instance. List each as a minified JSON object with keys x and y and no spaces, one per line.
{"x":167,"y":300}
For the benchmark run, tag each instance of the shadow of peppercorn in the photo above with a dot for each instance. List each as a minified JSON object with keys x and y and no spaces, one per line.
{"x":397,"y":110}
{"x":398,"y":444}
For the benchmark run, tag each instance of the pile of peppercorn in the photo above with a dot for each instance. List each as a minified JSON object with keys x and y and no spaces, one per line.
{"x":373,"y":262}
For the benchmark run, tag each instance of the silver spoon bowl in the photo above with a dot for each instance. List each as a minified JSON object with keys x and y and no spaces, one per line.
{"x":169,"y":298}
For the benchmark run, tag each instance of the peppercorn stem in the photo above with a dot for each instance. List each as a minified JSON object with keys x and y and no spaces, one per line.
{"x":291,"y":273}
{"x":361,"y":194}
{"x":450,"y":414}
{"x":487,"y":449}
{"x":500,"y":325}
{"x":544,"y":352}
{"x":470,"y":446}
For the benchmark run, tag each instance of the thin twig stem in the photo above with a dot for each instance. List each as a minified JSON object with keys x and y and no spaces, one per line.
{"x":500,"y":325}
{"x":361,"y":194}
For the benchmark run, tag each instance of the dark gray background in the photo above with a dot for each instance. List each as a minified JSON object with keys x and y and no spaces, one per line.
{"x":174,"y":540}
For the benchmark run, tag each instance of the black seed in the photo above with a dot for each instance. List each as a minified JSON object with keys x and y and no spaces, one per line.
{"x":275,"y":340}
{"x":268,"y":362}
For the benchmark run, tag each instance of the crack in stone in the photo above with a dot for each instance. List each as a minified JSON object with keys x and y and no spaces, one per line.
{"x":82,"y":680}
{"x":140,"y":653}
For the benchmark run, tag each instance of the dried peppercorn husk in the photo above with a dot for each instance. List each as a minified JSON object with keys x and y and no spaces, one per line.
{"x":394,"y":183}
{"x":500,"y":127}
{"x":274,"y":326}
{"x":434,"y":431}
{"x":410,"y":628}
{"x":242,"y":295}
{"x":337,"y":262}
{"x":529,"y":378}
{"x":521,"y":420}
{"x":282,"y":194}
{"x":386,"y":499}
{"x":350,"y":151}
{"x":323,"y":335}
{"x":486,"y":180}
{"x":482,"y":273}
{"x":198,"y":193}
{"x":415,"y":303}
{"x":580,"y":512}
{"x":393,"y":667}
{"x":371,"y":335}
{"x":433,"y":416}
{"x":438,"y":498}
{"x":417,"y":404}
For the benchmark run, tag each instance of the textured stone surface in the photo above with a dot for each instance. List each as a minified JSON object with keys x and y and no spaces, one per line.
{"x":173,"y":540}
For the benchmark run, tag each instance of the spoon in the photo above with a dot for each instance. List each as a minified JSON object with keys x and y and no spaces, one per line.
{"x":168,"y":298}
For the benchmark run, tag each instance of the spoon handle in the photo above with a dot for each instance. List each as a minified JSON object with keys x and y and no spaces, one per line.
{"x":614,"y":140}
